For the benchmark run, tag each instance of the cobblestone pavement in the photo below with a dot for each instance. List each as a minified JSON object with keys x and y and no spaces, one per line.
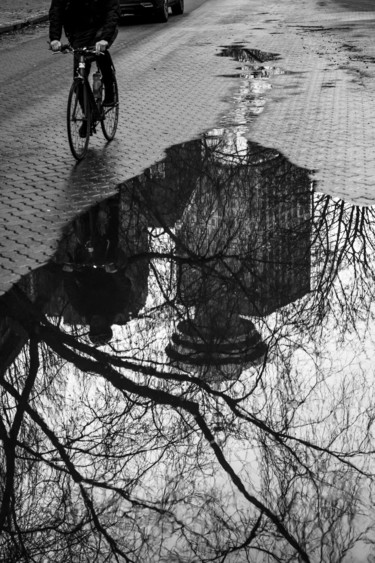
{"x":319,"y":112}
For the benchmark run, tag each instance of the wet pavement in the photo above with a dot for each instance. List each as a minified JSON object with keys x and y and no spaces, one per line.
{"x":187,"y":364}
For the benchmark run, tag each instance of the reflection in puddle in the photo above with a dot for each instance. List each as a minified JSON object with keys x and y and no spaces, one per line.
{"x":255,"y":78}
{"x":190,"y":378}
{"x":241,"y":53}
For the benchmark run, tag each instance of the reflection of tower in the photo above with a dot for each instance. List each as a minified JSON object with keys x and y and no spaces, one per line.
{"x":252,"y":211}
{"x":246,"y":232}
{"x":215,"y":343}
{"x":215,"y":340}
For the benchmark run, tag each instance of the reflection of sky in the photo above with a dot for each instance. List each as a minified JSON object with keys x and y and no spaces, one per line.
{"x":331,"y":404}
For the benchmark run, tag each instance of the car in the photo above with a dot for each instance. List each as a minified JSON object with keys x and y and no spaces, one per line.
{"x":159,"y":8}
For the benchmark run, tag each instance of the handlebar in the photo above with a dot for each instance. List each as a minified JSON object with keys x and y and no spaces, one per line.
{"x":66,"y":48}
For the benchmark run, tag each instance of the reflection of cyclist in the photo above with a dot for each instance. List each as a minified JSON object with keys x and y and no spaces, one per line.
{"x":98,"y":297}
{"x":97,"y":285}
{"x":94,"y":238}
{"x":87,"y":23}
{"x":94,"y":278}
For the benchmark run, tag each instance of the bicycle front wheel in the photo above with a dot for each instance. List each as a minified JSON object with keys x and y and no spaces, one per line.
{"x":110,"y":114}
{"x":78,"y":119}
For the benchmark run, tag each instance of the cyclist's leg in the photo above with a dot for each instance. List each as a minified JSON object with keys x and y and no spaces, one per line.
{"x":110,"y":109}
{"x":105,"y":65}
{"x":75,"y":44}
{"x":80,"y":94}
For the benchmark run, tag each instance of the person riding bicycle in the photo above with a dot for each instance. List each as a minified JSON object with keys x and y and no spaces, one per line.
{"x":87,"y":23}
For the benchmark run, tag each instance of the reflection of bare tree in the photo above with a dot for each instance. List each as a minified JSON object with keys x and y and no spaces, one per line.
{"x":343,"y":246}
{"x":255,"y":443}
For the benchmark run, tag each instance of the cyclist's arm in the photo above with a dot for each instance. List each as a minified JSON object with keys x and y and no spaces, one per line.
{"x":108,"y":30}
{"x":56,"y":16}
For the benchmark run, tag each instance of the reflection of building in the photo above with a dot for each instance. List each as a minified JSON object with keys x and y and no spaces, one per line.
{"x":246,"y":230}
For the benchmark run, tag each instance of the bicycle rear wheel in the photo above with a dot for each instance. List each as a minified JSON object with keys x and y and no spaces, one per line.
{"x":78,"y":119}
{"x":109,"y":119}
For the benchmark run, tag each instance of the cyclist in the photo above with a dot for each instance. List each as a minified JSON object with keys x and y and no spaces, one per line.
{"x":87,"y":23}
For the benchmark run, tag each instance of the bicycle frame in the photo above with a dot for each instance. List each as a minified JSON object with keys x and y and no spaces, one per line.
{"x":89,"y":103}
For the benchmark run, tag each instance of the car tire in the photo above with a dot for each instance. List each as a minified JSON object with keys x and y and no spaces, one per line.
{"x":178,"y":8}
{"x":161,"y":12}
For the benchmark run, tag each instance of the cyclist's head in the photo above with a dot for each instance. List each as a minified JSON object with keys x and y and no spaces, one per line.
{"x":100,"y":331}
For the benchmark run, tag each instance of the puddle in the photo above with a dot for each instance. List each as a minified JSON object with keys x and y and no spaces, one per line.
{"x":213,"y":303}
{"x":194,"y":366}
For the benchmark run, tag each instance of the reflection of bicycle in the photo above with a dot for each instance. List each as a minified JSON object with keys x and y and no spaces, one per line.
{"x":85,"y":104}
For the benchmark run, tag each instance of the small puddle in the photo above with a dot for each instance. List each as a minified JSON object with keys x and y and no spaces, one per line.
{"x":256,"y":80}
{"x":243,"y":54}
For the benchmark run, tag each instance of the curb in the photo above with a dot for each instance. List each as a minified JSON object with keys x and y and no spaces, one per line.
{"x":19,"y":24}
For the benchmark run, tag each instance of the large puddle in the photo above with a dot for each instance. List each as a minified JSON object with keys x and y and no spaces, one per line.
{"x":196,"y":366}
{"x":190,"y":378}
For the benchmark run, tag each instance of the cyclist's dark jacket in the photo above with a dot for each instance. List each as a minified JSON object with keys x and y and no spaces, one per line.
{"x":80,"y":16}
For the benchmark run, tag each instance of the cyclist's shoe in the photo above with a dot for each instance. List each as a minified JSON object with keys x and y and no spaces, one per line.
{"x":83,"y":130}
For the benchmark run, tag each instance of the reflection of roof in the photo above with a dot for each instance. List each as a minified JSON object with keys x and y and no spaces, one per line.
{"x":216,"y":356}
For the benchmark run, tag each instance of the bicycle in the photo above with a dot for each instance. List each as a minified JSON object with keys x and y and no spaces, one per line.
{"x":85,"y":108}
